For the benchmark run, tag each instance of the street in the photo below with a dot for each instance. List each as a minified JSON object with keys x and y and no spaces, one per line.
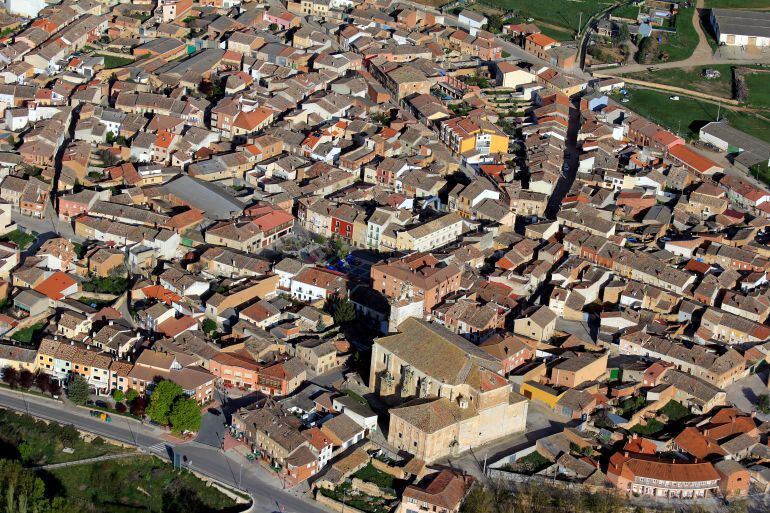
{"x":265,"y":489}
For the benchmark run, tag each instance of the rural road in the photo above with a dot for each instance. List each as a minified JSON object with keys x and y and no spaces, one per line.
{"x":265,"y":489}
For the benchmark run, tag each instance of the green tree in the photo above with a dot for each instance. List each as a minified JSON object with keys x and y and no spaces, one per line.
{"x":763,"y":403}
{"x":131,"y":395}
{"x":344,"y":311}
{"x":162,"y":399}
{"x":77,"y":390}
{"x":185,"y":415}
{"x":20,"y":489}
{"x":494,"y":23}
{"x":209,"y":327}
{"x":479,"y":500}
{"x":118,"y":395}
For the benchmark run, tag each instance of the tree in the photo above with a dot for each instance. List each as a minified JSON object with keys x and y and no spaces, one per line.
{"x":479,"y":500}
{"x":623,"y":33}
{"x":10,"y":376}
{"x":138,"y":406}
{"x":344,"y":311}
{"x":494,"y":23}
{"x":209,"y":327}
{"x":120,"y":407}
{"x":54,"y":388}
{"x":110,"y":137}
{"x":26,"y":378}
{"x":185,"y":415}
{"x":118,"y":395}
{"x":162,"y":399}
{"x":131,"y":395}
{"x":43,"y":382}
{"x":763,"y":403}
{"x":77,"y":390}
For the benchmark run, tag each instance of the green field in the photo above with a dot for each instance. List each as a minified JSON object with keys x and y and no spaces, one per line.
{"x":558,"y":34}
{"x":626,"y":11}
{"x":34,"y":442}
{"x":563,"y":13}
{"x":111,"y":61}
{"x":681,"y":45}
{"x":691,"y":78}
{"x":737,"y":4}
{"x":20,"y":238}
{"x":143,"y":483}
{"x":759,"y":89}
{"x":688,"y":115}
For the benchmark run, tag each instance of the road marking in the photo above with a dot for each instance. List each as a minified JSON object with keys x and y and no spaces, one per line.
{"x":159,"y":447}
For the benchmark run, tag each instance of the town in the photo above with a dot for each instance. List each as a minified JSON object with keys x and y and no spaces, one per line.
{"x":374,"y":256}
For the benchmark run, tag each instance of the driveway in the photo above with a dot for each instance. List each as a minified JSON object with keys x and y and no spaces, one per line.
{"x":743,"y":394}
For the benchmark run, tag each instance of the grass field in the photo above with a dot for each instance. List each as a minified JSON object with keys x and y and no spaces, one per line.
{"x":737,"y":4}
{"x":563,"y":13}
{"x":111,"y":61}
{"x":626,"y":11}
{"x":20,"y":238}
{"x":688,"y":115}
{"x":26,"y":336}
{"x":138,"y":484}
{"x":681,"y":45}
{"x":759,"y":89}
{"x":558,"y":34}
{"x":37,"y":443}
{"x":691,"y":78}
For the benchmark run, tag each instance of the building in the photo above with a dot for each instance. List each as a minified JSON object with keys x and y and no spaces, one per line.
{"x":441,"y":492}
{"x":741,"y":28}
{"x":419,"y":275}
{"x":449,"y":392}
{"x":640,"y":474}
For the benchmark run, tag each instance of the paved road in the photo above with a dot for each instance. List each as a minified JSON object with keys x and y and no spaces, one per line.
{"x":231,"y":470}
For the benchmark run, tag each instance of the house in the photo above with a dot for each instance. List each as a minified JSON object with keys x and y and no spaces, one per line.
{"x":536,"y":323}
{"x":685,"y":156}
{"x":650,"y":475}
{"x":359,"y":412}
{"x":195,"y":381}
{"x":471,"y":20}
{"x":442,"y":492}
{"x":314,"y":283}
{"x":418,"y":275}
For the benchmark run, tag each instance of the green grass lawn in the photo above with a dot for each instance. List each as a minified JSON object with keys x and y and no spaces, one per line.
{"x":681,"y":45}
{"x":557,"y":34}
{"x":691,"y":78}
{"x":759,"y":89}
{"x":21,"y":239}
{"x":27,"y":336}
{"x":532,"y":463}
{"x":34,"y":442}
{"x":143,"y":483}
{"x":372,"y":475}
{"x":688,"y":115}
{"x":653,"y":426}
{"x":112,"y":61}
{"x":626,"y":11}
{"x":675,"y":411}
{"x":736,"y":4}
{"x":563,"y":13}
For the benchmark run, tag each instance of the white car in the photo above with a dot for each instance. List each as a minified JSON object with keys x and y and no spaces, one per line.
{"x":674,"y":98}
{"x":625,"y":100}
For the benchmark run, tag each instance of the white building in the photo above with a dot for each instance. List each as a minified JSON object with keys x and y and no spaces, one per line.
{"x":28,"y":8}
{"x":741,"y":28}
{"x":471,"y":20}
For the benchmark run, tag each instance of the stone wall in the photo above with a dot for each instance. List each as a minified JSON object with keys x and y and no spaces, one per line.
{"x":396,"y":472}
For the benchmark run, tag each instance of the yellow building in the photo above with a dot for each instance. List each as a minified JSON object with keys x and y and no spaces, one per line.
{"x":537,"y":392}
{"x":465,"y":135}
